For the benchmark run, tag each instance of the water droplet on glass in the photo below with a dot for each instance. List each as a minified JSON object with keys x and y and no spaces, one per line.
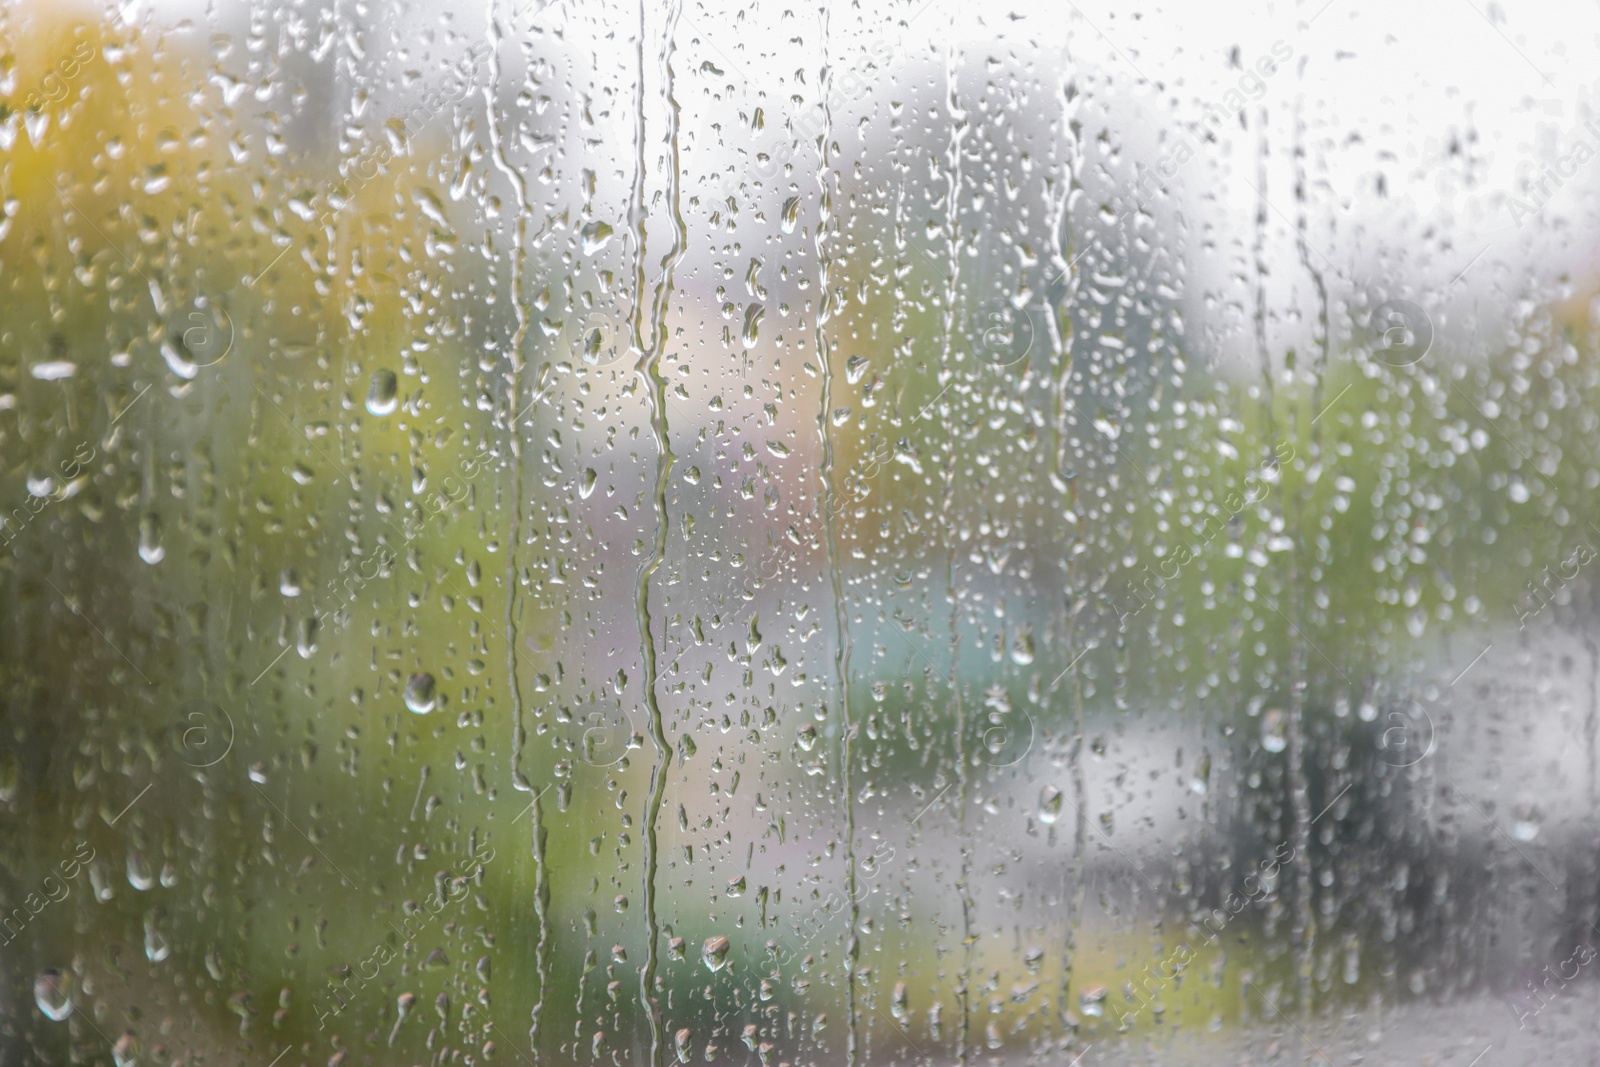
{"x":420,"y":693}
{"x":1525,"y":819}
{"x":899,"y":1002}
{"x":715,"y":953}
{"x":1050,"y":800}
{"x":157,"y":946}
{"x":305,"y":641}
{"x":752,"y":324}
{"x":150,"y":549}
{"x":53,"y":993}
{"x":595,"y":236}
{"x":125,"y":1053}
{"x":139,"y":875}
{"x":404,"y":1004}
{"x":36,"y":122}
{"x":54,"y":370}
{"x":1274,"y":730}
{"x":382,"y":395}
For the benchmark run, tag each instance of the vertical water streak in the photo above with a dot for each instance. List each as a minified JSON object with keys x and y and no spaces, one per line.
{"x":1064,"y":258}
{"x":648,"y":369}
{"x":1591,"y":724}
{"x":519,"y":780}
{"x":1300,"y":790}
{"x":1317,"y":280}
{"x":1302,"y":925}
{"x":636,"y":199}
{"x":1259,"y":255}
{"x":952,"y":223}
{"x":1065,"y":282}
{"x":835,"y":572}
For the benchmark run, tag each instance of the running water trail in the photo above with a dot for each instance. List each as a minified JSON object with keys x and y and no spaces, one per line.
{"x":1305,"y":924}
{"x":1064,"y":260}
{"x":648,"y":368}
{"x":952,"y":220}
{"x":835,"y":575}
{"x":519,"y":780}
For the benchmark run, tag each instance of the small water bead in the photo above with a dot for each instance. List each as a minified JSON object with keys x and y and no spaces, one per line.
{"x":420,"y":696}
{"x":150,"y":547}
{"x":715,"y":952}
{"x":157,"y":945}
{"x":405,"y":1003}
{"x":1050,"y":800}
{"x":595,"y":236}
{"x":139,"y":874}
{"x":1525,"y":820}
{"x":1274,"y":730}
{"x":382,"y":396}
{"x":52,"y":992}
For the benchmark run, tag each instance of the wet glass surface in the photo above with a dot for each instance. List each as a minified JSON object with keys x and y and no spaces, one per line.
{"x":886,"y":533}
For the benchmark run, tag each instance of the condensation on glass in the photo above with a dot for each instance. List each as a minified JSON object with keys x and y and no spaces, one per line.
{"x":835,"y":534}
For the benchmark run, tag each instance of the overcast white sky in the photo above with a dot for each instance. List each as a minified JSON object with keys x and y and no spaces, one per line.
{"x":1390,"y":90}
